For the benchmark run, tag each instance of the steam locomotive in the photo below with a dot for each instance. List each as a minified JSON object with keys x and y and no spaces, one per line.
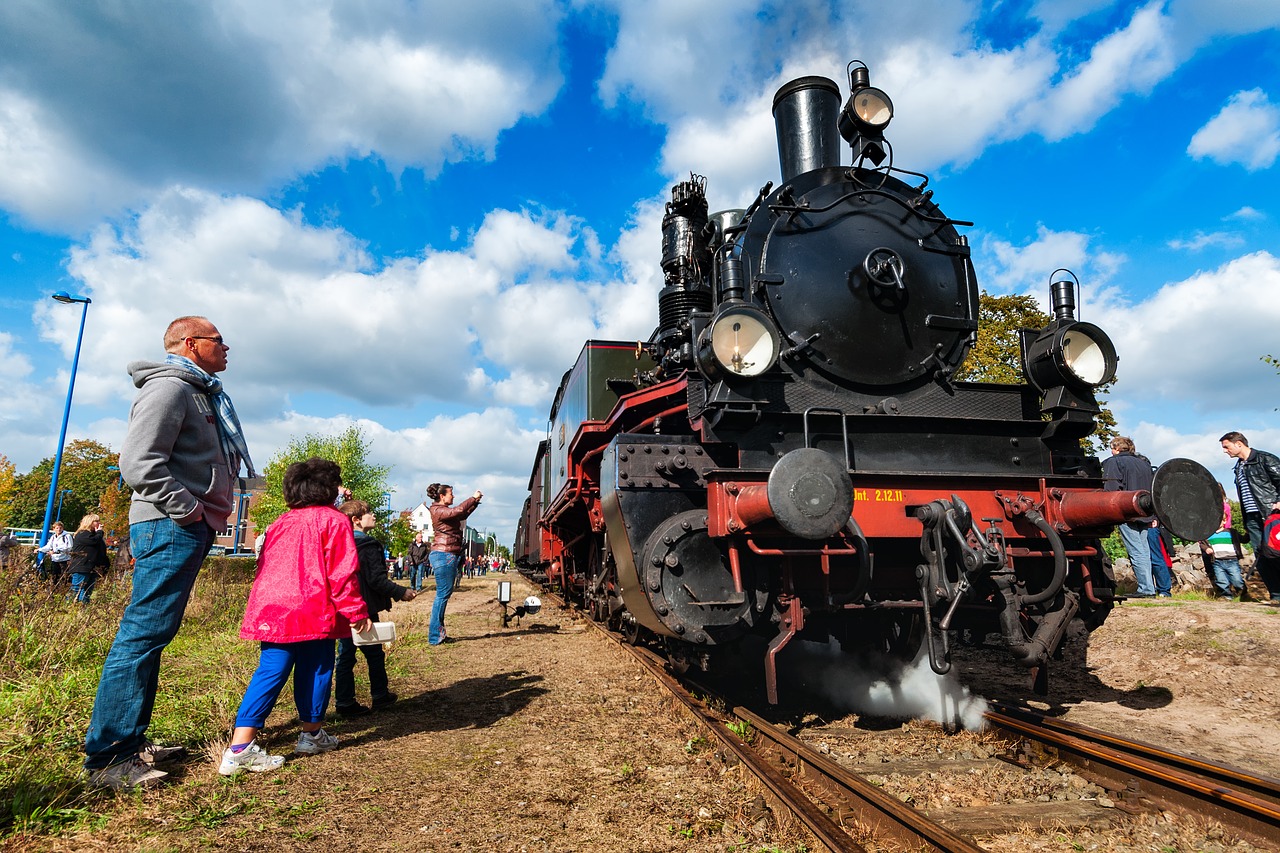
{"x":791,"y":453}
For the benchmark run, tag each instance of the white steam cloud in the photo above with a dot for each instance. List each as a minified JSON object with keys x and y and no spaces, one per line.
{"x":914,"y":690}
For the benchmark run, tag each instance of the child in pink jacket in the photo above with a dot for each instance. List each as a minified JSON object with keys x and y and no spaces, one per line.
{"x":305,"y":596}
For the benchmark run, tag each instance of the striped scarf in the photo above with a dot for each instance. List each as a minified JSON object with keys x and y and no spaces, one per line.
{"x":229,"y":431}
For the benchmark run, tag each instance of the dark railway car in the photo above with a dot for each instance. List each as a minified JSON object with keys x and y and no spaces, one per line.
{"x":792,"y":455}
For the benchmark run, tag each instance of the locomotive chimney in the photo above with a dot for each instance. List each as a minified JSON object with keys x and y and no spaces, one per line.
{"x":806,"y":113}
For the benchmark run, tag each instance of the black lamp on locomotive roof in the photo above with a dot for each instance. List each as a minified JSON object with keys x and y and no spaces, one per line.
{"x":865,"y":116}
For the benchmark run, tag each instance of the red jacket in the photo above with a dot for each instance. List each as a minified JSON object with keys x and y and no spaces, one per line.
{"x":307,"y":586}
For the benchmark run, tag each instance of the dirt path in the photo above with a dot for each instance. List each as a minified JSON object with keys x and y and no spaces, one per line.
{"x":528,"y":738}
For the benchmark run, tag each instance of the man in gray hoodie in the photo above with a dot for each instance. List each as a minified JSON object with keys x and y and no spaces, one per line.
{"x":181,"y":456}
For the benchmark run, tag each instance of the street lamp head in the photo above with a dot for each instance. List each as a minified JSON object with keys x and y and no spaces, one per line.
{"x":70,"y":299}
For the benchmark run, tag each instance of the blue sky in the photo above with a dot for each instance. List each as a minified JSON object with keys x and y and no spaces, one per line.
{"x":409,"y":215}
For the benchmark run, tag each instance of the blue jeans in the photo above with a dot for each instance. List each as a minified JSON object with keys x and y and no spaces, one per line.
{"x":168,"y":560}
{"x":1227,"y":579}
{"x":417,"y":574}
{"x":82,"y":584}
{"x":311,"y":662}
{"x":445,"y":568}
{"x":1139,"y":551}
{"x":1163,"y":577}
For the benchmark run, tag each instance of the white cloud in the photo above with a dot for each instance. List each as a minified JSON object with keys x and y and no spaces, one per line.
{"x":99,"y":105}
{"x":487,"y":450}
{"x":1199,"y":340}
{"x":1006,"y":268}
{"x":1202,"y":240}
{"x":1247,"y":214}
{"x":1245,"y":131}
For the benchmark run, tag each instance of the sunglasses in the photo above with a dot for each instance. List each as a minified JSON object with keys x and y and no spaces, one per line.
{"x":217,"y":340}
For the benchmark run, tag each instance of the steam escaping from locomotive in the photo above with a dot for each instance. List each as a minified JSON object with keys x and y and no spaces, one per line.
{"x":884,"y":687}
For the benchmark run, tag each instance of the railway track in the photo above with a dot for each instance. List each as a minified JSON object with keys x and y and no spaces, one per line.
{"x":849,"y":805}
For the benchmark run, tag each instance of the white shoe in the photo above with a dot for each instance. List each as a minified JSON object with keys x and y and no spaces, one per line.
{"x":314,"y":743}
{"x":253,"y":758}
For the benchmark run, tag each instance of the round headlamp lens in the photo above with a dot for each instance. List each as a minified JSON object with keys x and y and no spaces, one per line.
{"x":744,"y":342}
{"x":873,"y":107}
{"x":1084,"y":357}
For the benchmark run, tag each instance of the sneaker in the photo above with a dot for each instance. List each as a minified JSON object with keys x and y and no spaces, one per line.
{"x":314,"y":743}
{"x":383,"y":701}
{"x":154,"y":753}
{"x":353,"y":710}
{"x":252,"y":758}
{"x":127,"y":775}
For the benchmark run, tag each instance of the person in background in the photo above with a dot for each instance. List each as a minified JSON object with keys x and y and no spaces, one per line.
{"x":58,"y":547}
{"x":1128,"y":471}
{"x":88,"y":558}
{"x":1160,"y":541}
{"x":378,"y":592}
{"x":305,"y":596}
{"x":1222,"y":555}
{"x":8,"y":547}
{"x":181,"y":455}
{"x":417,"y":557}
{"x":446,"y":549}
{"x":1257,"y":475}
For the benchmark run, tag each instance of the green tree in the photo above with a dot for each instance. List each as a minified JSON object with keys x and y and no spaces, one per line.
{"x":350,"y":450}
{"x":86,"y":475}
{"x":400,"y":536}
{"x":8,"y":484}
{"x":996,"y":356}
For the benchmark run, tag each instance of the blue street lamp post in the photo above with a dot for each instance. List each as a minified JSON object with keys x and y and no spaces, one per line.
{"x":67,"y":299}
{"x":62,"y":493}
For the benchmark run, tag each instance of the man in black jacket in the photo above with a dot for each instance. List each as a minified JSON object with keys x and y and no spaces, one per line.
{"x":1257,"y":476}
{"x":417,"y":557}
{"x":378,"y":591}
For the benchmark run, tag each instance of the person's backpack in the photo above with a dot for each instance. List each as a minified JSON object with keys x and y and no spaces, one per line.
{"x":1269,"y":547}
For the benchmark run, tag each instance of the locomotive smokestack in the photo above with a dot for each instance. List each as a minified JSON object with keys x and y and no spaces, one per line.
{"x":806,"y":113}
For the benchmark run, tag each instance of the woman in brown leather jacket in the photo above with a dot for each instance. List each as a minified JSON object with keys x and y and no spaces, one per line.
{"x":446,"y":549}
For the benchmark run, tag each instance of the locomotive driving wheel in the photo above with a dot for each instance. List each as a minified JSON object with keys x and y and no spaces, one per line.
{"x":629,"y":627}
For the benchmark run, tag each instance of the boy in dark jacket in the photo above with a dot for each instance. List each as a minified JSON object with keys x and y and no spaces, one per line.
{"x":378,"y":591}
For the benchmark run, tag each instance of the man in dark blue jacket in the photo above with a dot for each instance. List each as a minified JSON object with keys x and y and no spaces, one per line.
{"x":1128,"y":471}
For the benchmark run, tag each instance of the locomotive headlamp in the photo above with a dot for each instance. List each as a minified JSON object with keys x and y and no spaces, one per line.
{"x":1071,"y":353}
{"x":870,"y":108}
{"x":865,"y":116}
{"x":743,"y":341}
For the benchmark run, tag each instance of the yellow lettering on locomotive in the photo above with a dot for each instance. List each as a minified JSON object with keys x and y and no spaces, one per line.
{"x":859,"y":494}
{"x":889,"y":496}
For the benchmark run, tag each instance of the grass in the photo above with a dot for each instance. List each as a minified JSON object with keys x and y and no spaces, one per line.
{"x":51,"y":654}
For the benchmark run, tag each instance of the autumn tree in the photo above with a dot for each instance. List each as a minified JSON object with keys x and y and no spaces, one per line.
{"x":88,"y":471}
{"x":8,"y":482}
{"x":996,"y":356}
{"x":350,"y":450}
{"x":401,"y":535}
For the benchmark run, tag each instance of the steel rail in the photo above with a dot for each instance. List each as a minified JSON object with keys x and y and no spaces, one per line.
{"x":1250,"y":804}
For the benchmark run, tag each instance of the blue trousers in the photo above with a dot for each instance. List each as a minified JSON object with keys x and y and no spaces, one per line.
{"x":417,"y":574}
{"x":311,"y":662}
{"x":1138,"y":548}
{"x":168,"y":560}
{"x":445,"y":568}
{"x":1160,"y":571}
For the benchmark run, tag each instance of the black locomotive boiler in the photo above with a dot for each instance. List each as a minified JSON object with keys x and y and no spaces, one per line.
{"x":791,"y":454}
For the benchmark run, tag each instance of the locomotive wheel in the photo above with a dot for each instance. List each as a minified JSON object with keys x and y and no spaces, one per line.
{"x":904,"y":635}
{"x":599,"y":609}
{"x":630,"y":628}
